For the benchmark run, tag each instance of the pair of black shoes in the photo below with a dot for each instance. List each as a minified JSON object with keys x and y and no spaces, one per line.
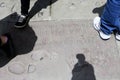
{"x":8,"y":47}
{"x":22,"y":21}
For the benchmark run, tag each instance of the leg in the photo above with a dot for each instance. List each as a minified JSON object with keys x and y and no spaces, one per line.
{"x":107,"y":24}
{"x":106,"y":27}
{"x":112,"y":15}
{"x":117,"y":24}
{"x":23,"y":18}
{"x":108,"y":18}
{"x":103,"y":28}
{"x":25,"y":4}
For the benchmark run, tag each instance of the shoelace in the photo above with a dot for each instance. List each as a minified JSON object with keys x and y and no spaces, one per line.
{"x":21,"y":18}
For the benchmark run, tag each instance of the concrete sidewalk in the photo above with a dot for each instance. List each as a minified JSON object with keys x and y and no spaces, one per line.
{"x":55,"y":9}
{"x":55,"y":45}
{"x":56,"y":34}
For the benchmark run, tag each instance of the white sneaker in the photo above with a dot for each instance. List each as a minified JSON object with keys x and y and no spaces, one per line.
{"x":117,"y":36}
{"x":96,"y":24}
{"x":104,"y":36}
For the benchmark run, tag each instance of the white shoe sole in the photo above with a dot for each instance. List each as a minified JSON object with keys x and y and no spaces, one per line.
{"x":117,"y":36}
{"x":104,"y":36}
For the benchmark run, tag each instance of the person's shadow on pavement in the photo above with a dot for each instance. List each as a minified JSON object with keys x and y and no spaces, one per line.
{"x":82,"y":70}
{"x":98,"y":10}
{"x":23,"y":39}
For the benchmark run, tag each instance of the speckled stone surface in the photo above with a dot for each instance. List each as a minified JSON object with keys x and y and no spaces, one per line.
{"x":54,"y":53}
{"x":55,"y":9}
{"x":48,"y":46}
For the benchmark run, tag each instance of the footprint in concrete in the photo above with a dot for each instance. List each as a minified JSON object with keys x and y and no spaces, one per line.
{"x":16,"y":68}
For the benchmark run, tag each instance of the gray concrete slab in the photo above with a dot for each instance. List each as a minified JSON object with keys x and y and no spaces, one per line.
{"x":54,"y":53}
{"x":40,"y":8}
{"x":76,"y":9}
{"x":80,"y":37}
{"x":53,"y":45}
{"x":55,"y":9}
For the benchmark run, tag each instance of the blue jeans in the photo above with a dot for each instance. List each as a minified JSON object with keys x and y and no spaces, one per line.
{"x":110,"y":19}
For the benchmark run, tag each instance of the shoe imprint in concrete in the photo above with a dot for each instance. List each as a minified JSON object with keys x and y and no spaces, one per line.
{"x":16,"y":68}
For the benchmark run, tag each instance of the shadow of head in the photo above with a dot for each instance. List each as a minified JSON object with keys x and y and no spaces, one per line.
{"x":99,"y":10}
{"x":82,"y":70}
{"x":39,"y":5}
{"x":81,"y":58}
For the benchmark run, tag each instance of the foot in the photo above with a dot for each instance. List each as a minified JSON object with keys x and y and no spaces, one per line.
{"x":22,"y":21}
{"x":96,"y":24}
{"x":117,"y":36}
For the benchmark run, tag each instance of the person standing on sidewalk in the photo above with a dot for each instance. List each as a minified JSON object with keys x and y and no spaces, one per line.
{"x":23,"y":18}
{"x":109,"y":22}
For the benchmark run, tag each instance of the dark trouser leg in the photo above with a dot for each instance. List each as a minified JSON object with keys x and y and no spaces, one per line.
{"x":25,"y":4}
